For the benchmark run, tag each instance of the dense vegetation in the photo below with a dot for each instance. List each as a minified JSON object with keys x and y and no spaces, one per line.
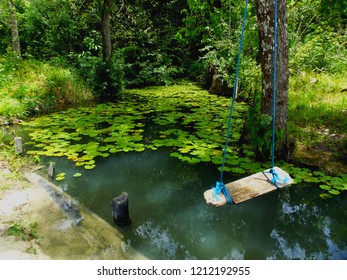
{"x":63,"y":57}
{"x":157,"y":42}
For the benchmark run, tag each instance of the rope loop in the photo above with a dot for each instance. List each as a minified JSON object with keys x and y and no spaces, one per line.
{"x":220,"y":188}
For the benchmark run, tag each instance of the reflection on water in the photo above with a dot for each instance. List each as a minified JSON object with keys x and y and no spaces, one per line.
{"x":170,"y":219}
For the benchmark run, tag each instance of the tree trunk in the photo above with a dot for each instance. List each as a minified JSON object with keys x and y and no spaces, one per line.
{"x":14,"y":29}
{"x":106,"y":30}
{"x":265,"y":14}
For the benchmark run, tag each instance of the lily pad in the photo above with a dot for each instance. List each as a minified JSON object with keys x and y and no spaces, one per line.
{"x":60,"y":176}
{"x":334,"y":192}
{"x":237,"y":170}
{"x":325,"y":187}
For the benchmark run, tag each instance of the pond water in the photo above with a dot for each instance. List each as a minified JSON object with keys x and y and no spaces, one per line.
{"x":163,"y":145}
{"x":170,"y":219}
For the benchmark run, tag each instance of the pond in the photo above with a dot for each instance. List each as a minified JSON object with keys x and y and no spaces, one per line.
{"x":170,"y":219}
{"x":164,"y":150}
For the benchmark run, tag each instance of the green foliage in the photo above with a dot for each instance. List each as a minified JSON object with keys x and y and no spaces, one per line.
{"x":214,"y":29}
{"x":259,"y":132}
{"x":322,"y":51}
{"x":108,"y":78}
{"x":316,"y":101}
{"x":26,"y":233}
{"x":317,"y":35}
{"x":11,"y":108}
{"x":51,"y":28}
{"x":143,"y":68}
{"x":29,"y":87}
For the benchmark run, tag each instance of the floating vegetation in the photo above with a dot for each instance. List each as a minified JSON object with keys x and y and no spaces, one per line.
{"x":60,"y":176}
{"x":183,"y":118}
{"x":331,"y":185}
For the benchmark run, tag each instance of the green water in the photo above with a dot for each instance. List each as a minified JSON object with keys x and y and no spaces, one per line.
{"x":170,"y":219}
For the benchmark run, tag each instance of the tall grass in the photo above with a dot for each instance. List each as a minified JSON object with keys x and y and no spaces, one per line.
{"x":317,"y":101}
{"x":28,"y":87}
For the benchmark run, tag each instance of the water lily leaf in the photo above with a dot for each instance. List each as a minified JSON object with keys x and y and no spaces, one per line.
{"x":194,"y":160}
{"x":113,"y":150}
{"x":234,"y":162}
{"x":40,"y":145}
{"x":217,"y":160}
{"x":334,"y":192}
{"x":103,"y":148}
{"x":325,"y":195}
{"x":325,"y":187}
{"x":204,"y":158}
{"x":318,"y":173}
{"x":340,"y":188}
{"x":110,"y":139}
{"x":60,"y":176}
{"x":336,"y":181}
{"x":186,"y":149}
{"x":175,"y":154}
{"x":140,"y":149}
{"x":88,"y":167}
{"x":297,"y":180}
{"x":237,"y":170}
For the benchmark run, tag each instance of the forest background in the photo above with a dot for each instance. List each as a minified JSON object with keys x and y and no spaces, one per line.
{"x":70,"y":52}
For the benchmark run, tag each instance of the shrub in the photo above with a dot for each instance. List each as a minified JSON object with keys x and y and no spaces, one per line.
{"x":30,"y":87}
{"x":321,"y":51}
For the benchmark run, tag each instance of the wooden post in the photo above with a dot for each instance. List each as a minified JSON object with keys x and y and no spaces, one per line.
{"x":18,"y":144}
{"x":51,"y":170}
{"x":120,"y":209}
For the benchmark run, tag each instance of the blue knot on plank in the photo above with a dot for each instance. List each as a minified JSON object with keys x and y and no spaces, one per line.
{"x":220,"y":188}
{"x":277,"y":179}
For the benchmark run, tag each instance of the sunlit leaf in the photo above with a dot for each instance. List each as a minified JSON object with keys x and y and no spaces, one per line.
{"x":325,"y":187}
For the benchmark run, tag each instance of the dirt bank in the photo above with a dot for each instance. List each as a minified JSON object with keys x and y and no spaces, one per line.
{"x":59,"y":235}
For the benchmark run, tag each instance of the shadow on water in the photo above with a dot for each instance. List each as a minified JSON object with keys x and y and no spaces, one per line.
{"x":170,"y":219}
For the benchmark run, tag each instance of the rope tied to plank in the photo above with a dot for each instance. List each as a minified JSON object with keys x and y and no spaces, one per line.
{"x":275,"y":176}
{"x":220,"y":186}
{"x":278,"y":178}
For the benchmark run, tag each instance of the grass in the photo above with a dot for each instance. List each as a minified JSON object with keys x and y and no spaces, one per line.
{"x":30,"y":87}
{"x":317,"y":107}
{"x":25,"y":232}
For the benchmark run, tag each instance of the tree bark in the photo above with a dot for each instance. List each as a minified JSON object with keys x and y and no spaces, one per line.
{"x":265,"y":14}
{"x":106,"y":30}
{"x":14,"y":29}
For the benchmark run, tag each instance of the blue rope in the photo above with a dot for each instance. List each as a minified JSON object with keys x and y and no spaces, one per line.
{"x":278,"y":178}
{"x":274,"y":97}
{"x":220,"y":187}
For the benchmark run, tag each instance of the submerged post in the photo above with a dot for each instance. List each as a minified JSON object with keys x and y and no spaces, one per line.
{"x":120,"y":209}
{"x":18,"y":144}
{"x":51,"y":170}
